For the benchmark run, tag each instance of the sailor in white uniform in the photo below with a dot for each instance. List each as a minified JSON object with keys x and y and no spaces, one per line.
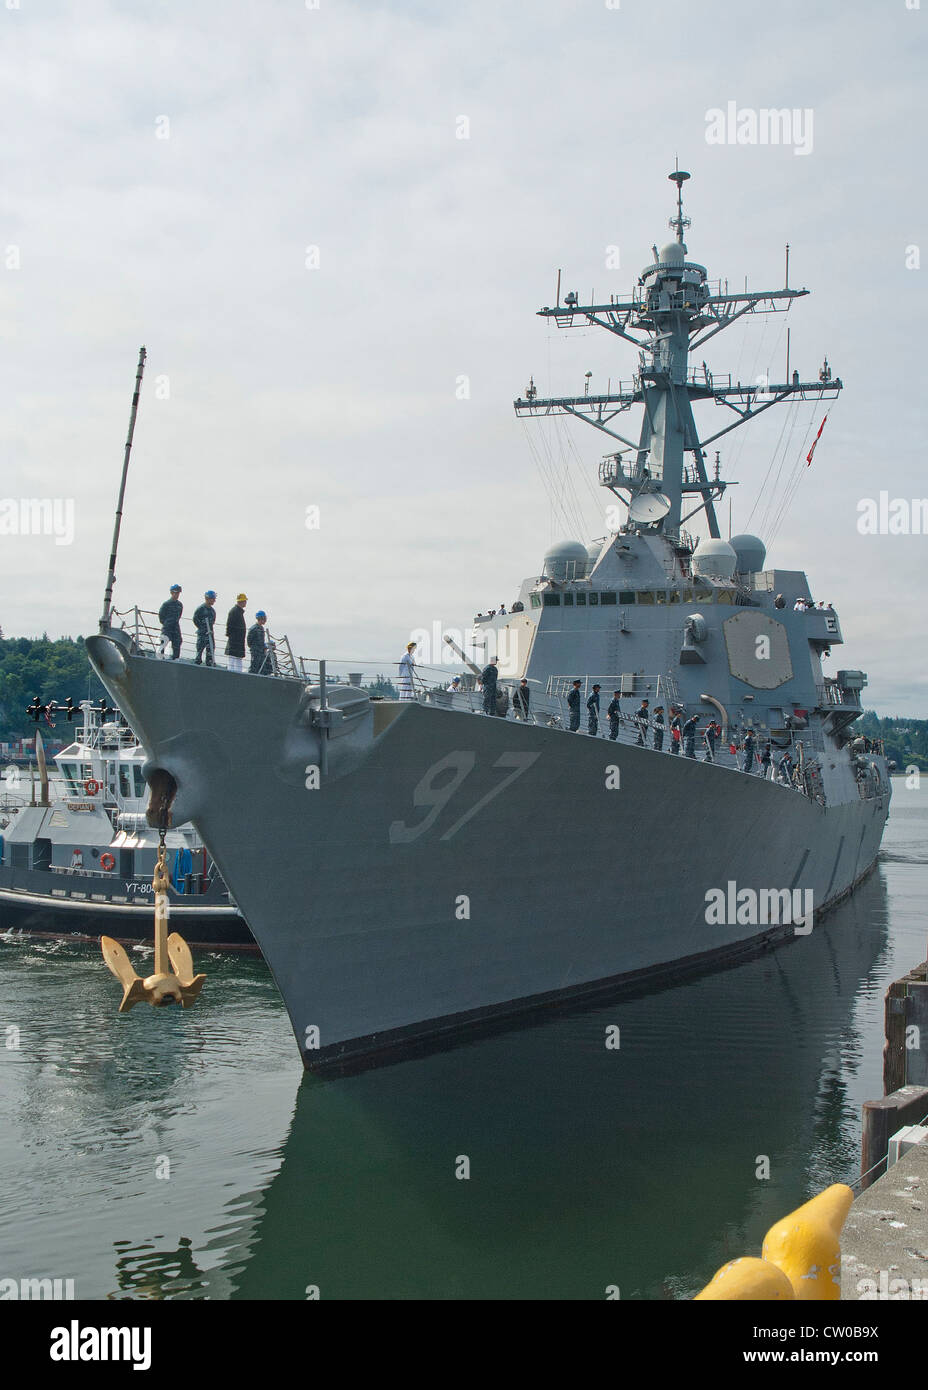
{"x":407,"y":665}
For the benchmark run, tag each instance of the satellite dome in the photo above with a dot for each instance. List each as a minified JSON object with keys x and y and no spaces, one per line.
{"x":566,"y":560}
{"x":714,"y":559}
{"x":751,"y":553}
{"x":674,"y":253}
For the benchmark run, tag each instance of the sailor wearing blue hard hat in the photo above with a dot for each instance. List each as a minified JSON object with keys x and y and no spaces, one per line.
{"x":169,"y":618}
{"x":204,"y":617}
{"x":258,"y":646}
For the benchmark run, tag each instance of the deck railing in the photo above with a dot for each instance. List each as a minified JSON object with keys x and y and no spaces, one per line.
{"x":551,"y":711}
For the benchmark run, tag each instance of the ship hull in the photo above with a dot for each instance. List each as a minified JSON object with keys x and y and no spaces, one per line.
{"x":394,"y":912}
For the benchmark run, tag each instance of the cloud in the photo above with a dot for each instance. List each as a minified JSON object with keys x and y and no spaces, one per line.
{"x":336,"y":129}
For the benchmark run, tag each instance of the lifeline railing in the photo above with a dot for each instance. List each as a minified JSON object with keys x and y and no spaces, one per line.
{"x":551,"y":711}
{"x":144,"y":626}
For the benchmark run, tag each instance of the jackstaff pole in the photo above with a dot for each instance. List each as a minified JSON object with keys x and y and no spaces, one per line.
{"x":111,"y":575}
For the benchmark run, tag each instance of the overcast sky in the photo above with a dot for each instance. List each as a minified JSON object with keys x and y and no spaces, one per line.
{"x":168,"y":169}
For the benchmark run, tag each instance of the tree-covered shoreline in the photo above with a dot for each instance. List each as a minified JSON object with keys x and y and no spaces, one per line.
{"x":53,"y":669}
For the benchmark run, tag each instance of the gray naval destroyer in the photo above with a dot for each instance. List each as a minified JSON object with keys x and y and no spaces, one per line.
{"x":413,"y":867}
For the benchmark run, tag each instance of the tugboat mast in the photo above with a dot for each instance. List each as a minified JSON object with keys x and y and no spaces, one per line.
{"x":673,"y":310}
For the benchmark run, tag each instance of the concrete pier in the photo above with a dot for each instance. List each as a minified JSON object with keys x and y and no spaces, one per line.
{"x":884,"y":1245}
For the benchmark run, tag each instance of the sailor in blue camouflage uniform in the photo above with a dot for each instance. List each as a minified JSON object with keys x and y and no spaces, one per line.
{"x":658,"y":723}
{"x":592,"y":709}
{"x":573,"y":704}
{"x":169,"y":618}
{"x":613,"y":710}
{"x":748,"y":750}
{"x":203,"y":618}
{"x":257,"y":645}
{"x":676,"y":722}
{"x":689,"y":736}
{"x":642,"y":719}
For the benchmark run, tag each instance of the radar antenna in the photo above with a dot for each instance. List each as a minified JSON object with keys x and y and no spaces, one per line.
{"x":679,"y":177}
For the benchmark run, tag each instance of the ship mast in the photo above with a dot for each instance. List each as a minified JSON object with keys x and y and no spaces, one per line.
{"x":673,"y":311}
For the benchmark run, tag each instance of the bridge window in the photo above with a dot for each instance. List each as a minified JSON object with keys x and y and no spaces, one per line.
{"x":568,"y":600}
{"x":607,"y":596}
{"x":536,"y":600}
{"x":627,"y":596}
{"x":581,"y":600}
{"x":552,"y":600}
{"x":646,"y":596}
{"x":594,"y":600}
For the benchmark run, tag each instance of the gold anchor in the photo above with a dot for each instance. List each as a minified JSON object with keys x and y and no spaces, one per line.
{"x":173,"y":981}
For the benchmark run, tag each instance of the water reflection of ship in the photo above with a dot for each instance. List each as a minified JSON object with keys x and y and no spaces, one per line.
{"x":82,"y":864}
{"x":566,"y":1195}
{"x":145,"y":1273}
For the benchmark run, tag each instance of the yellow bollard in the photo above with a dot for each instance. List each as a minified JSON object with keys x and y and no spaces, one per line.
{"x":801,"y":1256}
{"x":747,"y":1279}
{"x":806,"y":1245}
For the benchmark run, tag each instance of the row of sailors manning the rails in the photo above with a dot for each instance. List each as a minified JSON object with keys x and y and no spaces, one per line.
{"x":239,"y":636}
{"x":684,"y":730}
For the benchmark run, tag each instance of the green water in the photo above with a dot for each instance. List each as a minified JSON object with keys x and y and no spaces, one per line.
{"x":184,"y":1155}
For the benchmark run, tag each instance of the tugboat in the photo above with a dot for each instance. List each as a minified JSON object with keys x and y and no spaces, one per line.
{"x":81,"y":861}
{"x":412,"y":868}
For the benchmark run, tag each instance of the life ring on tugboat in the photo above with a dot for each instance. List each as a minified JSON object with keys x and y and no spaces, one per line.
{"x":91,"y":786}
{"x":107,"y":862}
